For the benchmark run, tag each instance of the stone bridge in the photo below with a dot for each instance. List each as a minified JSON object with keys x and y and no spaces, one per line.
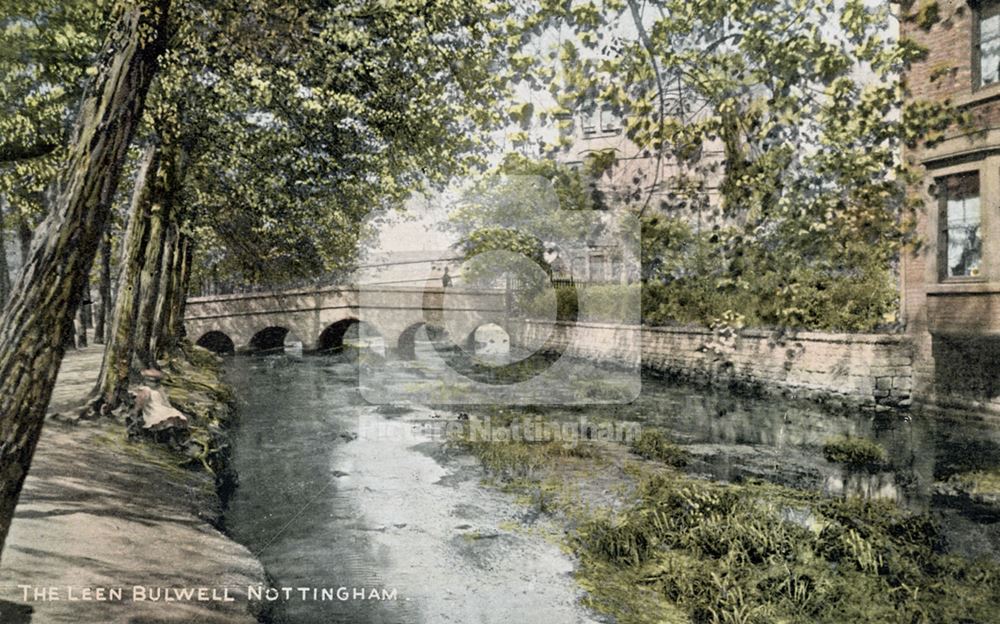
{"x":321,"y":318}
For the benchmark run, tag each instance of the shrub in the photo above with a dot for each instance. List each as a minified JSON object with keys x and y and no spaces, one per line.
{"x":609,"y":303}
{"x":653,"y":444}
{"x":855,"y":453}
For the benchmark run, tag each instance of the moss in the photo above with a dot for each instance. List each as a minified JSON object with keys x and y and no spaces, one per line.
{"x":653,"y":444}
{"x":855,"y":453}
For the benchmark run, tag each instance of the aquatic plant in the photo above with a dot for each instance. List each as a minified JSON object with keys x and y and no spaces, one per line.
{"x":723,"y":554}
{"x":654,"y":444}
{"x":979,"y":482}
{"x":855,"y":453}
{"x":681,"y":549}
{"x":510,"y":456}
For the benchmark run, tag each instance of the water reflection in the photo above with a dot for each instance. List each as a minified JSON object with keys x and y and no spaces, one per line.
{"x":327,"y":505}
{"x":733,"y":437}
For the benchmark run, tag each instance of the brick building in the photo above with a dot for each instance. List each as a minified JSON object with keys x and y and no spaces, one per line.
{"x":951,"y":283}
{"x":639,"y":179}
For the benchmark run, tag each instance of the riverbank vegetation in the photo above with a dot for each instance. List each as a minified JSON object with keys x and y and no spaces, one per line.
{"x":855,"y":453}
{"x":668,"y":547}
{"x":653,"y":444}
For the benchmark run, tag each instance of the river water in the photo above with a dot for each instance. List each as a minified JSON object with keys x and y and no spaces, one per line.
{"x":393,"y":511}
{"x":337,"y":493}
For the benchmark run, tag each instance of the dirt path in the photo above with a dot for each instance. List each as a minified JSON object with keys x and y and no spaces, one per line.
{"x":101,"y":513}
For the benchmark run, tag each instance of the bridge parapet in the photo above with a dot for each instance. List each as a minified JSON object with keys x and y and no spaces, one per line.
{"x":306,"y":314}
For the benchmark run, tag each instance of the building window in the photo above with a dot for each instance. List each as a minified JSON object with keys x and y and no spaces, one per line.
{"x":590,"y":120}
{"x":610,"y":121}
{"x":598,"y":268}
{"x":986,"y":52}
{"x":961,"y":247}
{"x":579,"y":269}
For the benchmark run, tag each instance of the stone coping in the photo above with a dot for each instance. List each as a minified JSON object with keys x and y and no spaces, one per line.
{"x":812,"y":336}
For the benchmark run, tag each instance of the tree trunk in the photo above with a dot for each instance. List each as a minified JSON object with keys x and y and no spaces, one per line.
{"x":150,"y":281}
{"x":24,"y":235}
{"x":168,"y":270}
{"x":121,"y":334}
{"x":83,"y":315}
{"x":104,"y":290}
{"x":156,"y":271}
{"x":176,"y":319}
{"x":40,"y":311}
{"x":4,"y":269}
{"x":140,"y":277}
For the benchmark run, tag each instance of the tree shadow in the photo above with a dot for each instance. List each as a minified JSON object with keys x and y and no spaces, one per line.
{"x":14,"y":613}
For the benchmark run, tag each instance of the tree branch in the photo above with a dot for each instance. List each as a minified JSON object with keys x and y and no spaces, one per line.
{"x":12,"y":152}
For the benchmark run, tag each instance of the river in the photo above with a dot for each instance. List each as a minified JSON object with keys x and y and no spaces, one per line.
{"x":335,"y":492}
{"x":394,"y":511}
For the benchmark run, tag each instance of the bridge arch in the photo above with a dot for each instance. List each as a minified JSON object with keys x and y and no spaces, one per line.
{"x":349,"y":330}
{"x":310,"y":312}
{"x":217,"y":342}
{"x":489,"y":339}
{"x":271,"y":339}
{"x":406,"y":344}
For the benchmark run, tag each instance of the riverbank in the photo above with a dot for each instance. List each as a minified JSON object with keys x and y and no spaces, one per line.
{"x":100,"y":514}
{"x":656,"y":544}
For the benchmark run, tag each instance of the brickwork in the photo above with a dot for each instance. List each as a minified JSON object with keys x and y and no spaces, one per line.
{"x":953,"y":324}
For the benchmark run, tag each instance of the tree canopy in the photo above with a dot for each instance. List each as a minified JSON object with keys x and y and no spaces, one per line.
{"x":806,"y":98}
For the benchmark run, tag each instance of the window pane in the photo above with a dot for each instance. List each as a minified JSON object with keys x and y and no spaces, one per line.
{"x":609,"y":120}
{"x":989,"y":48}
{"x":597,"y":268}
{"x":961,"y":229}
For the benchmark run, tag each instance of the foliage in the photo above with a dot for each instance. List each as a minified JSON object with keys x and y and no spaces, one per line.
{"x":654,"y":444}
{"x":526,"y":207}
{"x":812,"y":211}
{"x":304,"y":120}
{"x":609,"y":303}
{"x":46,"y":49}
{"x":855,"y":453}
{"x":722,"y":553}
{"x":687,"y":284}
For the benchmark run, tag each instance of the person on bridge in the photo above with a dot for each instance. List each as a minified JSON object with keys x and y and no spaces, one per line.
{"x":445,"y":279}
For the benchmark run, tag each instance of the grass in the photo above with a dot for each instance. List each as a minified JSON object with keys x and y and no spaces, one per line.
{"x":981,"y":482}
{"x":680,"y":549}
{"x":653,"y":444}
{"x":858,"y":453}
{"x":723,"y":554}
{"x":514,"y":458}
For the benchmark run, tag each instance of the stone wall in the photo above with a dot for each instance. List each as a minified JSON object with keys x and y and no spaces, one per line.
{"x":870,"y":370}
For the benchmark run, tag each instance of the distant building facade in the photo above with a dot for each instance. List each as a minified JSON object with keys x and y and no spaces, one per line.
{"x":639,"y":179}
{"x":951,"y":284}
